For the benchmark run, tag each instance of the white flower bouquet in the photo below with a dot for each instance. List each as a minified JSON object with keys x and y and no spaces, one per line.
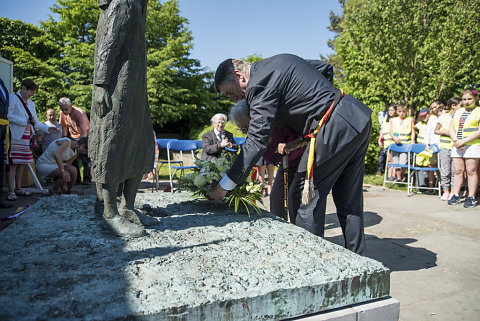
{"x":209,"y":173}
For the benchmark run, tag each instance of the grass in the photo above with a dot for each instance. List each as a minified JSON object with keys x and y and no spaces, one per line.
{"x":163,"y":172}
{"x":372,"y":179}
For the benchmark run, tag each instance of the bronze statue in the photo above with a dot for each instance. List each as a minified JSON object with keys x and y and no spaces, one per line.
{"x":121,"y":143}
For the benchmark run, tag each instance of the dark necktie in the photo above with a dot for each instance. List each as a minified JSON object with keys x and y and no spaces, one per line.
{"x":3,"y":95}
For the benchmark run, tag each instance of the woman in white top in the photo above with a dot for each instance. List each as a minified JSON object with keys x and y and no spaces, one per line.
{"x":23,"y":121}
{"x":56,"y":163}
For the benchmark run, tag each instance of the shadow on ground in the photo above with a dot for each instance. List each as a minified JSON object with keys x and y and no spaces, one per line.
{"x":394,"y":253}
{"x":369,"y":219}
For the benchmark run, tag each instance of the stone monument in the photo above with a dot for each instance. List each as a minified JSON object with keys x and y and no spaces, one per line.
{"x":200,"y":262}
{"x":121,"y":143}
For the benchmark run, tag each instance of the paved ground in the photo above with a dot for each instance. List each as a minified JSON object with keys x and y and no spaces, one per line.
{"x":431,"y":248}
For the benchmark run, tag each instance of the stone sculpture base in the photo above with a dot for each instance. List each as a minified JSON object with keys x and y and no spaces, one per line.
{"x":201,"y":262}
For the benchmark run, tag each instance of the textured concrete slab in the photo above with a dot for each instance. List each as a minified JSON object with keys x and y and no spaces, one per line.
{"x":381,"y":310}
{"x":201,"y":262}
{"x":385,"y":309}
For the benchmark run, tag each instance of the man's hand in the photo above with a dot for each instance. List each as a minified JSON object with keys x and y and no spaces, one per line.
{"x":217,"y":193}
{"x":281,"y":148}
{"x":225,"y":142}
{"x":53,"y":130}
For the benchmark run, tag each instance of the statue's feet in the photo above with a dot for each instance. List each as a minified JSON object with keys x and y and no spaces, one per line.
{"x":138,"y":217}
{"x":123,"y":227}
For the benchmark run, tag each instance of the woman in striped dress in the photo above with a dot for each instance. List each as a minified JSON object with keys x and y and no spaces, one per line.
{"x":23,"y":121}
{"x":465,"y":133}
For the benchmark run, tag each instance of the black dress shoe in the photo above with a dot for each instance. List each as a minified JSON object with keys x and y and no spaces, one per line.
{"x":5,"y":205}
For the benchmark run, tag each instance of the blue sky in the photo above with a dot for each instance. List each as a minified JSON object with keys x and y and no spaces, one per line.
{"x":232,"y":29}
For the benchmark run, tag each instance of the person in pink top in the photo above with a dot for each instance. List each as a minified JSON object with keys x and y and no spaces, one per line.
{"x":75,"y":124}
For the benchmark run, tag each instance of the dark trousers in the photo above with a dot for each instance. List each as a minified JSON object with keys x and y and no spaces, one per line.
{"x":342,"y":173}
{"x":86,"y":168}
{"x":381,"y":160}
{"x":2,"y":163}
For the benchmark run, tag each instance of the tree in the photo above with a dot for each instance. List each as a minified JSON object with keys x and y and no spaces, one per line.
{"x":20,"y":43}
{"x":417,"y":51}
{"x":60,"y":54}
{"x":74,"y":36}
{"x":179,"y":89}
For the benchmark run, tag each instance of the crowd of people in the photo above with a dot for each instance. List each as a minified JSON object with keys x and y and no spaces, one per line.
{"x":452,"y":126}
{"x":56,"y":145}
{"x":281,"y":131}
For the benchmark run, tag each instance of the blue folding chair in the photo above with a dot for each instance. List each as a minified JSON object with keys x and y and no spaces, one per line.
{"x":162,"y":144}
{"x":239,"y":141}
{"x":199,"y":144}
{"x":180,"y":146}
{"x":402,"y":148}
{"x":415,"y":168}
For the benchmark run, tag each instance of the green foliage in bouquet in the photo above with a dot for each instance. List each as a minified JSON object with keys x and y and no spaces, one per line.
{"x":209,"y":173}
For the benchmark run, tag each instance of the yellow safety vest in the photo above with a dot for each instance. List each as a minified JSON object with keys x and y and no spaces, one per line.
{"x":403,"y":131}
{"x":422,"y":131}
{"x":446,"y":142}
{"x":470,"y":126}
{"x":387,"y":139}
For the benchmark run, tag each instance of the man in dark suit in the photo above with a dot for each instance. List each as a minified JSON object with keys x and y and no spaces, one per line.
{"x":216,"y":140}
{"x":4,"y":100}
{"x":290,"y":92}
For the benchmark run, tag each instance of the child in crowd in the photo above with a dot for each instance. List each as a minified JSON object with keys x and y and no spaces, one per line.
{"x":446,"y":144}
{"x":384,"y":140}
{"x":401,"y":131}
{"x":465,"y":133}
{"x":421,"y":125}
{"x":431,"y":138}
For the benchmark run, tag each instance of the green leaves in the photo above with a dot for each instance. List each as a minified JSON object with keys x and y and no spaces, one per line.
{"x":408,"y":50}
{"x":59,"y":57}
{"x":207,"y":174}
{"x":412,"y":50}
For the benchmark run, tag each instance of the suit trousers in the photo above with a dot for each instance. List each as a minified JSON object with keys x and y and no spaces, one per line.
{"x":342,"y":173}
{"x":2,"y":163}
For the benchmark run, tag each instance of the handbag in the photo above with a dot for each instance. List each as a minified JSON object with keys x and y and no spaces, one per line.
{"x":33,"y":142}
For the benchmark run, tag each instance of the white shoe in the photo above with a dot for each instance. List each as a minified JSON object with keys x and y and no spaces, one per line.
{"x":445,"y":196}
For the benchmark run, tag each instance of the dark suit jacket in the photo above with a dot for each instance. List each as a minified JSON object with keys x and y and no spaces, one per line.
{"x":290,"y":92}
{"x":3,"y":109}
{"x":212,"y":148}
